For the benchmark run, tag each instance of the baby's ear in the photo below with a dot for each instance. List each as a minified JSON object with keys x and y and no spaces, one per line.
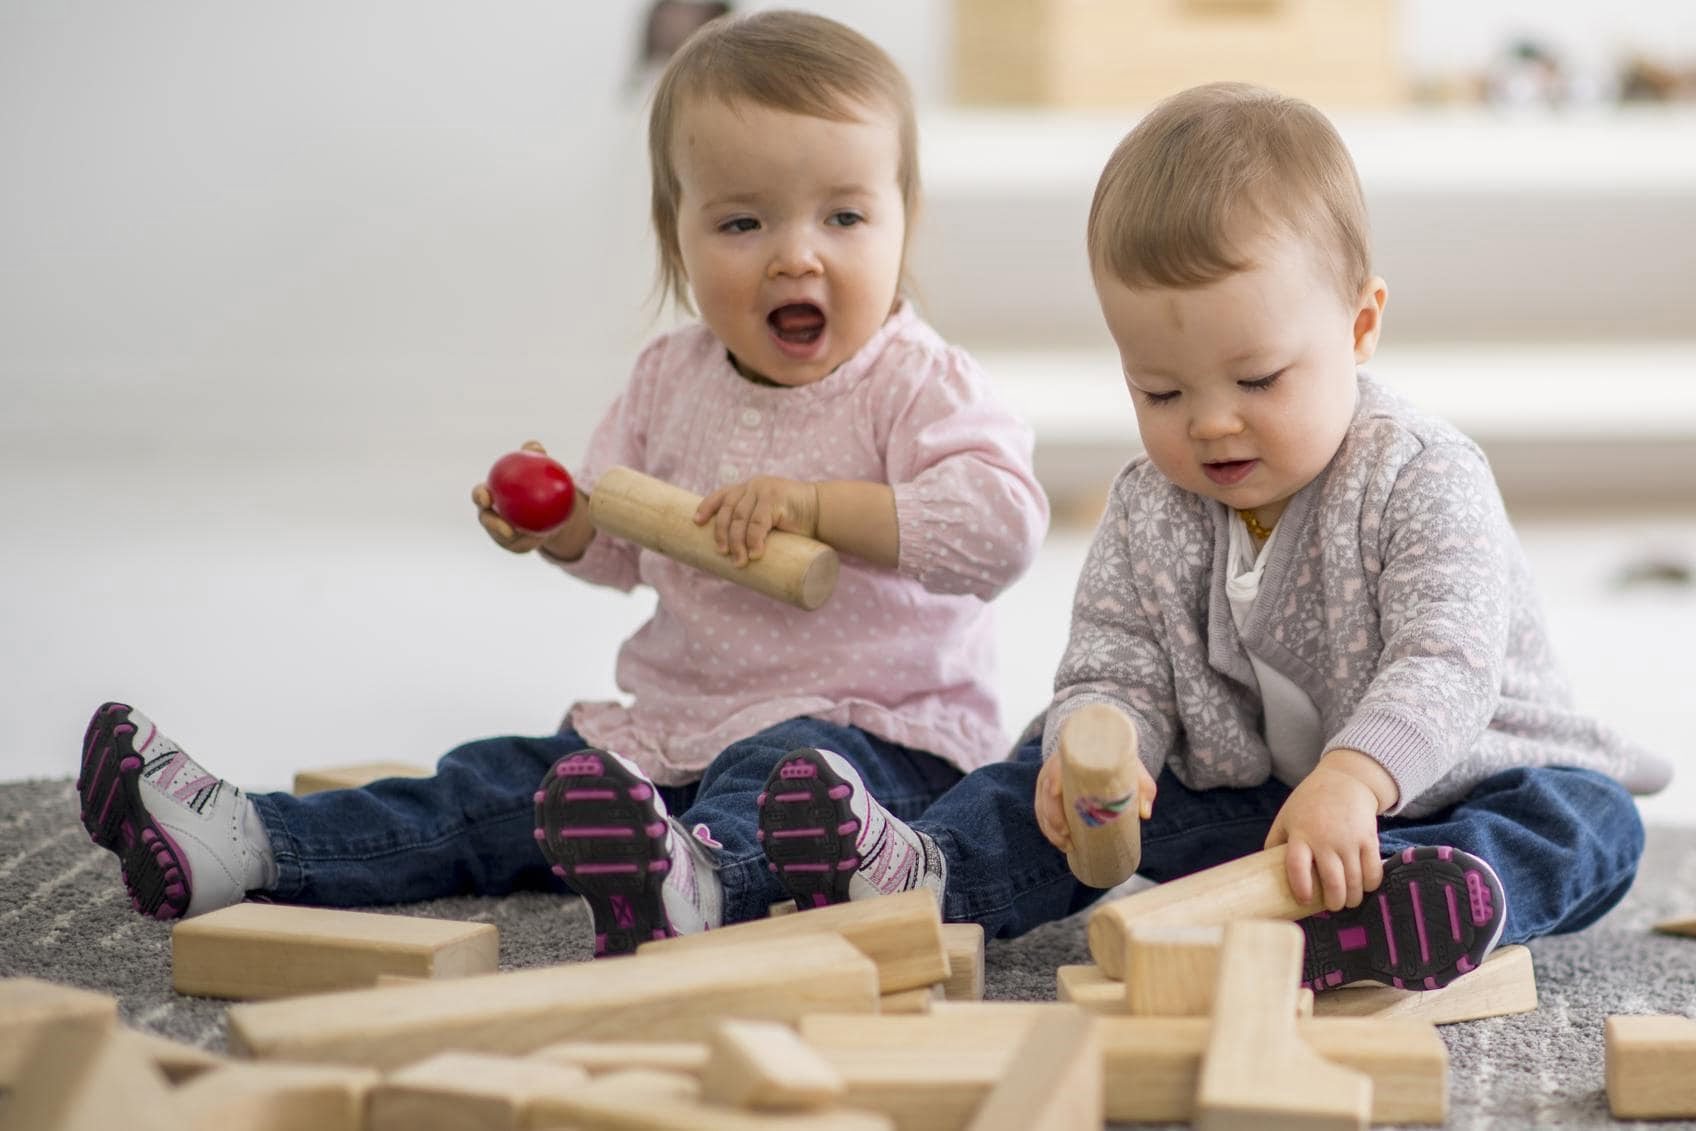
{"x":1369,"y":318}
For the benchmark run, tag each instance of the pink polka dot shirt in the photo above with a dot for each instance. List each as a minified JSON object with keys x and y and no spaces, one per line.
{"x":905,"y":653}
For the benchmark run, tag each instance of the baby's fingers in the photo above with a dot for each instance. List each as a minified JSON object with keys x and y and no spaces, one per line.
{"x":710,"y":506}
{"x":1145,"y":792}
{"x":1298,"y":870}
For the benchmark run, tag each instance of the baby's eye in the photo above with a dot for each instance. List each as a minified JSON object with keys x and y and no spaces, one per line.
{"x":846,"y":219}
{"x":740,"y":224}
{"x":1261,"y":384}
{"x":1158,"y":398}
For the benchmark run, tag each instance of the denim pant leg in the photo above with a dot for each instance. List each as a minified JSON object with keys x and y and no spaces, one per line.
{"x":1564,"y":842}
{"x":465,"y":830}
{"x":903,"y":779}
{"x":1004,"y":875}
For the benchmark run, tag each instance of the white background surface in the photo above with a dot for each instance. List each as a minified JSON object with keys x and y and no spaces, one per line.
{"x":278,"y":282}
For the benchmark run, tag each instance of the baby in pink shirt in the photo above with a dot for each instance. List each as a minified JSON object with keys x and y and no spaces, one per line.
{"x":810,"y":397}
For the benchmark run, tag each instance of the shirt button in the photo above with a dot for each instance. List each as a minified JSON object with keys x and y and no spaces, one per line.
{"x":727,"y":473}
{"x":750,"y":418}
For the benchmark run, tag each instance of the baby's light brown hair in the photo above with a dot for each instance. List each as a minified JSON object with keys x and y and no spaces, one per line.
{"x":791,"y":61}
{"x":1208,"y":171}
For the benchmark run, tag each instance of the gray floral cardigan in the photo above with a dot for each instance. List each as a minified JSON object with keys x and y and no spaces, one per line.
{"x":1397,"y":597}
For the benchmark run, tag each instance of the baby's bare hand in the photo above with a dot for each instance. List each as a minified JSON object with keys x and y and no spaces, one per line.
{"x":743,"y":514}
{"x":1330,"y":822}
{"x":504,"y":534}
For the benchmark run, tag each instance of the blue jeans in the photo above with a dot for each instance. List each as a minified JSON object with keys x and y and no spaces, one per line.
{"x":468,"y":829}
{"x":1564,"y":842}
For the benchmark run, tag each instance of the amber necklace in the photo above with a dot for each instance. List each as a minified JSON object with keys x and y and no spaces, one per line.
{"x":1261,"y":533}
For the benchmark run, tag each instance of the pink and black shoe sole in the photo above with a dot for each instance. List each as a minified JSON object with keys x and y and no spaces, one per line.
{"x":109,"y":786}
{"x":1436,"y":916}
{"x":808,"y":830}
{"x":597,"y":826}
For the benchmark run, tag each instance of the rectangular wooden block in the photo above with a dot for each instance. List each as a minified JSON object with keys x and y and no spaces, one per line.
{"x":1503,"y":984}
{"x":354,"y":776}
{"x":29,"y":1005}
{"x":1250,"y":887}
{"x":964,"y":944}
{"x":78,"y":1076}
{"x":1686,"y":927}
{"x":679,"y":996}
{"x":456,"y":1091}
{"x":1086,"y":986}
{"x":179,"y":1062}
{"x":1254,"y":1074}
{"x":633,"y":1102}
{"x":902,"y":934}
{"x":599,"y":1057}
{"x":1056,"y":1082}
{"x":277,"y":1097}
{"x":1170,"y":971}
{"x":926,"y":1073}
{"x":764,"y":1065}
{"x":1651,"y":1067}
{"x":269,"y":950}
{"x":1153,"y":1065}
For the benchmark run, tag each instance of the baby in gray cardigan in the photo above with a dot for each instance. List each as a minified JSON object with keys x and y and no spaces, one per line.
{"x":1305,"y":597}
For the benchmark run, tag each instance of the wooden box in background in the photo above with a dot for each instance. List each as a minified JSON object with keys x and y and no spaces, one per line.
{"x":1098,"y":54}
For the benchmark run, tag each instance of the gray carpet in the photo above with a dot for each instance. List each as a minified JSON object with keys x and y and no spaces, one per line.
{"x":64,"y":916}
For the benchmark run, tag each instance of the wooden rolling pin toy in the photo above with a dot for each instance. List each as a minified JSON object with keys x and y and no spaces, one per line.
{"x":627,"y":504}
{"x":1098,"y":787}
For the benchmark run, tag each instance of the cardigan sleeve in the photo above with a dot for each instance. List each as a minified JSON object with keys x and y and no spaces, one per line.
{"x":1443,"y":611}
{"x":1114,"y":654}
{"x":969,"y":512}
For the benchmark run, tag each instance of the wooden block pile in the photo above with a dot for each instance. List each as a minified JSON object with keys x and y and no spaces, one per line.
{"x":858,"y":1016}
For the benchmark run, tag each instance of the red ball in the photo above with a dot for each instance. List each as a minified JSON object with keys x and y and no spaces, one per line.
{"x":531,"y":491}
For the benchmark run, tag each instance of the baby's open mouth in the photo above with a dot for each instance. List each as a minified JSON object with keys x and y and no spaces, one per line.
{"x":799,"y":322}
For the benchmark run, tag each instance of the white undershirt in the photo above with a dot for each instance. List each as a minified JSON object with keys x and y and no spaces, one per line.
{"x":1291,"y":720}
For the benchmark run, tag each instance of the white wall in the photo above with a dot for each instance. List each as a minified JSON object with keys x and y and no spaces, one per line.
{"x":391,"y":225}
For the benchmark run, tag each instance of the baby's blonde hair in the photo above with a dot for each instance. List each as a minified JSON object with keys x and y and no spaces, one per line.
{"x":790,"y":61}
{"x":1182,"y":194}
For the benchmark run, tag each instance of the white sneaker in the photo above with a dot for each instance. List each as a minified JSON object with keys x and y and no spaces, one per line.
{"x":829,"y":840}
{"x":604,"y":828}
{"x":184,"y":838}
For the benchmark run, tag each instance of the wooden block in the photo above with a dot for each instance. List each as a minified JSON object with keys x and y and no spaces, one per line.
{"x":679,"y":996}
{"x":1056,"y":1084}
{"x":964,"y":944}
{"x":78,"y":1076}
{"x":1098,"y":790}
{"x":908,"y":1001}
{"x":468,"y":1091}
{"x":1651,"y":1067}
{"x":1254,"y":1074}
{"x":766,"y":1066}
{"x":277,"y":1097}
{"x":1153,"y":1065}
{"x":1685,"y":927}
{"x":781,"y":907}
{"x":179,"y":1062}
{"x":928,"y":1073}
{"x":627,"y":504}
{"x":29,"y":1005}
{"x":354,"y":776}
{"x":269,"y":950}
{"x":902,"y":934}
{"x":1504,"y":983}
{"x":631,"y":1102}
{"x":1087,"y":987}
{"x":1170,"y":971}
{"x":1252,"y":887}
{"x":598,"y":1057}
